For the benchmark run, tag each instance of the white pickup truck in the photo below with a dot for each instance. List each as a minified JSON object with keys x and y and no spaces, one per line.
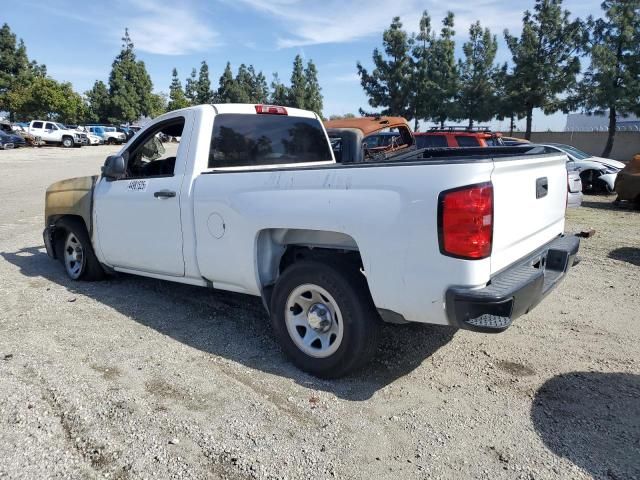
{"x":251,"y":200}
{"x":57,"y":133}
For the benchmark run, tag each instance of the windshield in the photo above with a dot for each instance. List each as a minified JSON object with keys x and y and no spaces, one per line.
{"x":579,"y":154}
{"x":109,"y":129}
{"x":60,"y":126}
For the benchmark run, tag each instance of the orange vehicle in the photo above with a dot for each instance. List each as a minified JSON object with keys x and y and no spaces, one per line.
{"x":457,"y":137}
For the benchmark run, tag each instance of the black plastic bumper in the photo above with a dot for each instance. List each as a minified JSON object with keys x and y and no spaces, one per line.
{"x":514,"y":291}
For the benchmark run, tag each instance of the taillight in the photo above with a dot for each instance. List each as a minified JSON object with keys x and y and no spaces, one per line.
{"x":271,"y":110}
{"x":465,"y":221}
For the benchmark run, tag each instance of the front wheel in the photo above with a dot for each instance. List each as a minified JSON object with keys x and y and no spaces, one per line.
{"x":75,"y":251}
{"x":67,"y":142}
{"x":324,"y":318}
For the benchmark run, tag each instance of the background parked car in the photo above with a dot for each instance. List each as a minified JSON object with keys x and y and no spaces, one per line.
{"x":457,"y":137}
{"x":355,"y":140}
{"x":574,"y":185}
{"x":15,"y":138}
{"x":5,"y":141}
{"x":113,"y":136}
{"x":57,"y":133}
{"x":598,"y":174}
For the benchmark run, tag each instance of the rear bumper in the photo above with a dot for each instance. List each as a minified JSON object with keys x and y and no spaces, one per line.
{"x":514,"y":291}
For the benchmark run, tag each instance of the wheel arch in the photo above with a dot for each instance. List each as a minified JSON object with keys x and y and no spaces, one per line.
{"x":277,"y":248}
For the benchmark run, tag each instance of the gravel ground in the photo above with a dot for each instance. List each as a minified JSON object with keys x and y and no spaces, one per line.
{"x":138,"y":378}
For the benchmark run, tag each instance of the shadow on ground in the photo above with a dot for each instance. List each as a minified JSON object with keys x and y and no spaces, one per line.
{"x":626,"y":254}
{"x":235,"y":326}
{"x":593,"y":420}
{"x":601,"y":205}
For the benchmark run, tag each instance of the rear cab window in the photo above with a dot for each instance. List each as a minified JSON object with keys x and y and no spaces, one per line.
{"x":252,"y":140}
{"x":36,"y":125}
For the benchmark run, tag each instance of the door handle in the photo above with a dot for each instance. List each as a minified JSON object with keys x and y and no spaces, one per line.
{"x":164,"y":194}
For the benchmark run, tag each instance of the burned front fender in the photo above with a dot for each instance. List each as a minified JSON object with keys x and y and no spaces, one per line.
{"x":73,"y":196}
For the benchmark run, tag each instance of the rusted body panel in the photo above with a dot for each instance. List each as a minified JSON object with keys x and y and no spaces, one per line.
{"x":72,"y":196}
{"x":368,"y":125}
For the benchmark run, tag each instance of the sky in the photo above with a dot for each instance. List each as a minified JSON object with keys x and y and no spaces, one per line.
{"x":78,"y":40}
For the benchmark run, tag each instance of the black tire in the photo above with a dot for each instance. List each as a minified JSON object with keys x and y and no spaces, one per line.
{"x":360,"y":319}
{"x":67,"y":142}
{"x":90,"y":269}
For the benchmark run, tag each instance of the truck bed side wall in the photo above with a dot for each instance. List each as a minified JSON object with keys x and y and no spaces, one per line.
{"x":390,"y":213}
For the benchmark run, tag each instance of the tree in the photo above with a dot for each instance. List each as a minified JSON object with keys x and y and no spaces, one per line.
{"x":177,"y":98}
{"x":298,"y":89}
{"x":158,"y":104}
{"x":612,"y":80}
{"x":346,"y":116}
{"x":444,"y":74}
{"x":421,"y":103}
{"x":226,"y":86}
{"x":507,"y":104}
{"x":544,"y":58}
{"x":476,"y":98}
{"x":99,"y":102}
{"x":190,"y":87}
{"x":279,"y":92}
{"x":203,"y":87}
{"x":243,"y":86}
{"x":16,"y":72}
{"x":51,"y":100}
{"x":313,"y":92}
{"x":130,"y":87}
{"x":389,"y":84}
{"x":259,"y":90}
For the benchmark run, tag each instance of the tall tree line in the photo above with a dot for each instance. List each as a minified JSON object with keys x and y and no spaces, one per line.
{"x":247,"y":85}
{"x":25,"y":89}
{"x":417,"y":75}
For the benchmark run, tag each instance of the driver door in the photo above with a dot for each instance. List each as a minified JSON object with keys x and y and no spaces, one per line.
{"x":138,"y":217}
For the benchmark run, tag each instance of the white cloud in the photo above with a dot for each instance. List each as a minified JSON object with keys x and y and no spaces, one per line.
{"x":348,"y":78}
{"x":336,"y":21}
{"x":167,"y":30}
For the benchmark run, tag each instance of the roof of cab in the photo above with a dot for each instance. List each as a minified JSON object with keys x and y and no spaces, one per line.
{"x":367,"y":125}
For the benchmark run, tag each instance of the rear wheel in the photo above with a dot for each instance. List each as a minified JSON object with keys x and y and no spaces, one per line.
{"x":324,"y":318}
{"x":75,"y":251}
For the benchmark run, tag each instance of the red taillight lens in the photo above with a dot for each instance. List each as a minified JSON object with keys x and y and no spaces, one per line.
{"x":465,"y":221}
{"x":271,"y":110}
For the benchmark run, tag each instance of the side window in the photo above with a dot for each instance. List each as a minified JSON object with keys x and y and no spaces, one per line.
{"x":465,"y":141}
{"x":37,"y":125}
{"x":431,"y":141}
{"x":246,"y":140}
{"x":50,"y":126}
{"x":154,"y":154}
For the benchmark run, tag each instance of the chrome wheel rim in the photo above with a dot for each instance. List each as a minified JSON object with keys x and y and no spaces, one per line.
{"x":314,"y":321}
{"x":73,"y":256}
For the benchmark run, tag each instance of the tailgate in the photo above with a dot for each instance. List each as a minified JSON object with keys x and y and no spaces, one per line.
{"x":530,"y":195}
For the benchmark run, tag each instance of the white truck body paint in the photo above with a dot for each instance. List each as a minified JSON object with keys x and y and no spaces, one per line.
{"x":390,"y":212}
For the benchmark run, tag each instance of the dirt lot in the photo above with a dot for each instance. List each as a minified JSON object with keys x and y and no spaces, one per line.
{"x":138,"y":378}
